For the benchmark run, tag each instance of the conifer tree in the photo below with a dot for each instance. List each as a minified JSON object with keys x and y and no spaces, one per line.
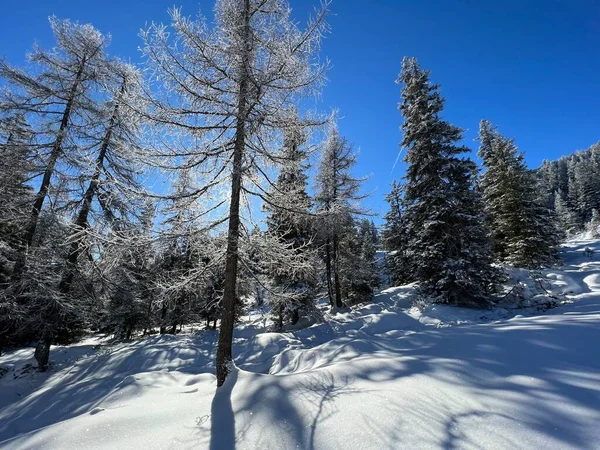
{"x":593,"y":226}
{"x":572,"y":184}
{"x":187,"y":260}
{"x":565,"y":215}
{"x":57,"y":99}
{"x":338,"y":201}
{"x":448,"y":240}
{"x":289,"y":220}
{"x":523,"y":229}
{"x":130,"y":280}
{"x":230,"y":89}
{"x":395,"y":239}
{"x":15,"y":199}
{"x":16,"y":168}
{"x":360,"y":273}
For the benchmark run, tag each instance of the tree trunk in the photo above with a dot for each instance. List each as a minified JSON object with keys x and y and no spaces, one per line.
{"x":280,"y":318}
{"x":328,"y":272}
{"x":259,"y":300}
{"x":295,"y":316}
{"x":42,"y":352}
{"x":224,"y":354}
{"x":338,"y":291}
{"x":45,"y":185}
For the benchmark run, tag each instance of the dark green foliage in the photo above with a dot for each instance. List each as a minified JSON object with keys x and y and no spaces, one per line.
{"x":572,"y":184}
{"x":16,"y":195}
{"x":396,"y":239}
{"x":337,"y":201}
{"x":523,"y":227}
{"x":358,"y":266}
{"x":447,"y":242}
{"x":289,"y":222}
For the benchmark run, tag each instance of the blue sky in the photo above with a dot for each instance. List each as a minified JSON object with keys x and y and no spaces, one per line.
{"x":530,"y":66}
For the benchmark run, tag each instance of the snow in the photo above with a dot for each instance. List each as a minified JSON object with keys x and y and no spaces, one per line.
{"x":380,"y":375}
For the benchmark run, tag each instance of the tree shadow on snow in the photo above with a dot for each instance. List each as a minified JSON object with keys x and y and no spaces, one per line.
{"x":539,"y":361}
{"x":94,"y":379}
{"x":222,"y":428}
{"x":321,"y":389}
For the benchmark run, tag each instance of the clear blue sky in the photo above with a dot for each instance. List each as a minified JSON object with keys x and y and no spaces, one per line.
{"x":532,"y":67}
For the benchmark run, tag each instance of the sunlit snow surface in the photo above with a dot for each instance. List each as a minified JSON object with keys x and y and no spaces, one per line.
{"x":380,"y":376}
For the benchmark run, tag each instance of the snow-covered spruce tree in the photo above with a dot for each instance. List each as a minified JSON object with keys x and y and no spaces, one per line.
{"x":574,"y":179}
{"x":229,"y":89}
{"x":368,"y":237}
{"x":573,"y":191}
{"x":375,"y":234}
{"x":359,"y":274}
{"x":337,"y":200}
{"x":524,"y":230}
{"x":554,"y":175}
{"x":289,"y":220}
{"x":396,"y":238}
{"x":566,"y":216}
{"x":593,"y":226}
{"x":448,"y":241}
{"x":55,"y":99}
{"x":586,"y":182}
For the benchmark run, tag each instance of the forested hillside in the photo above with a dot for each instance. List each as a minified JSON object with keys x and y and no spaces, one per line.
{"x":573,"y":186}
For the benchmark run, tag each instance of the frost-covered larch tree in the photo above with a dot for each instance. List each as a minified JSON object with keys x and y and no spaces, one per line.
{"x":448,"y":242}
{"x":524,"y":230}
{"x":229,"y":90}
{"x":337,"y":200}
{"x":55,"y":99}
{"x":109,"y":162}
{"x":112,"y":164}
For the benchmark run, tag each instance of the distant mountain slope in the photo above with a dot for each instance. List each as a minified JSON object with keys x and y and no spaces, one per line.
{"x":573,"y":186}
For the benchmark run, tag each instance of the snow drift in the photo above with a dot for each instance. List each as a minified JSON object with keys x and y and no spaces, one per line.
{"x":384,"y":375}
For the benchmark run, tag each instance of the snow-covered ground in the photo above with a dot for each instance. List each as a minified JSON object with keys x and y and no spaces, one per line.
{"x":383,"y":375}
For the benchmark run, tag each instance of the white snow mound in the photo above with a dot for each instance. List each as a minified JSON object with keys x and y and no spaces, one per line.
{"x":383,"y":375}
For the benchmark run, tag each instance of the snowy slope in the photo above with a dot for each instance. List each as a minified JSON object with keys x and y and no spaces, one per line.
{"x":384,"y":375}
